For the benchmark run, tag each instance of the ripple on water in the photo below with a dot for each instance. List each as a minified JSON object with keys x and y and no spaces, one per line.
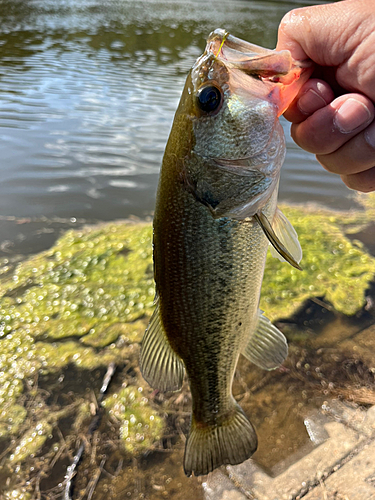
{"x":89,"y":94}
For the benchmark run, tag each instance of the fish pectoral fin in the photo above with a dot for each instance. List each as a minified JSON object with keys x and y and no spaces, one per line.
{"x":160,"y":365}
{"x":267,"y":347}
{"x":287,"y":235}
{"x":281,"y":242}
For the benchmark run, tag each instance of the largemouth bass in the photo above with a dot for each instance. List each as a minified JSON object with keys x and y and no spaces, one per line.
{"x":215,"y":216}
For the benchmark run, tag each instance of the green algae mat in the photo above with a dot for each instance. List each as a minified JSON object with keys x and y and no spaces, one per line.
{"x":85,"y":303}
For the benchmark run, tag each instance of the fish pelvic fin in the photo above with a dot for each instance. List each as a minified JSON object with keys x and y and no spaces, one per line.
{"x":230,"y":441}
{"x":267,"y":347}
{"x":275,"y":241}
{"x":160,"y":365}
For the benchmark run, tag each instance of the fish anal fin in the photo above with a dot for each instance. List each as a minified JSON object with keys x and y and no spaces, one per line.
{"x":230,"y":441}
{"x":287,"y":235}
{"x":267,"y":347}
{"x":160,"y":365}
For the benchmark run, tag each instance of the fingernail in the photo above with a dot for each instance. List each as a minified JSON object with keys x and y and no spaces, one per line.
{"x":370,"y":136}
{"x":310,"y":102}
{"x":351,"y":115}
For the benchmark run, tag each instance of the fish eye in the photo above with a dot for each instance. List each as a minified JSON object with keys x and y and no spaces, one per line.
{"x":209,"y":98}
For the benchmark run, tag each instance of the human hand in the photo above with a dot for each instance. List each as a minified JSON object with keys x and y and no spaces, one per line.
{"x":333,"y":114}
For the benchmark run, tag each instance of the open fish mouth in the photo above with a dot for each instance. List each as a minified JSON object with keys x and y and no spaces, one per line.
{"x":270,"y":66}
{"x":251,"y":58}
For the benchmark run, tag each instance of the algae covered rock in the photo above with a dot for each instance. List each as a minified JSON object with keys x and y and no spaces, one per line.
{"x":31,"y":441}
{"x":59,"y":306}
{"x":333,"y":266}
{"x":139,"y":424}
{"x":17,"y":494}
{"x":11,"y":419}
{"x":84,"y":303}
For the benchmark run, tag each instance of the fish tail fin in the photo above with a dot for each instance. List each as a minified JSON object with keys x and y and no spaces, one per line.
{"x":232,"y":441}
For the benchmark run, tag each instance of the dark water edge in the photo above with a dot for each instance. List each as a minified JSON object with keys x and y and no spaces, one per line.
{"x":25,"y":236}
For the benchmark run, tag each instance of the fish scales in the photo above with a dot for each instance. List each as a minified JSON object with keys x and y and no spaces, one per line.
{"x":215,"y":216}
{"x":214,"y":288}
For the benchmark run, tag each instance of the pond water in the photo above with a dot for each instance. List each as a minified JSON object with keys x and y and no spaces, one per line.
{"x":88,"y":90}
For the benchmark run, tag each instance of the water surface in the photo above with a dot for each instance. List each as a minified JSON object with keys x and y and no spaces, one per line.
{"x":88,"y":91}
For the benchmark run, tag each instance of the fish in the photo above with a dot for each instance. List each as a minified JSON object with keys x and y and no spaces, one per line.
{"x":216,"y":215}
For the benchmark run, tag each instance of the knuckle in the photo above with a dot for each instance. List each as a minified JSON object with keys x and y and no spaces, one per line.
{"x":366,"y":187}
{"x":298,"y":137}
{"x":291,"y":18}
{"x":294,"y":19}
{"x":285,"y":21}
{"x":322,"y":159}
{"x":315,"y":142}
{"x":332,"y":163}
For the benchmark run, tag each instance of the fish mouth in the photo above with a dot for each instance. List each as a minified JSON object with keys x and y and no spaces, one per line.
{"x":282,"y":74}
{"x":278,"y":66}
{"x":236,"y":51}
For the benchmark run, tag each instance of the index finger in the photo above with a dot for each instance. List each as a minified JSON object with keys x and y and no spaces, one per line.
{"x":308,"y":33}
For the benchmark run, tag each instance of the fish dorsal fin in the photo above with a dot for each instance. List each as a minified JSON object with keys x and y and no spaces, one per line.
{"x":160,"y":365}
{"x":287,"y":235}
{"x":267,"y":347}
{"x":274,"y":239}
